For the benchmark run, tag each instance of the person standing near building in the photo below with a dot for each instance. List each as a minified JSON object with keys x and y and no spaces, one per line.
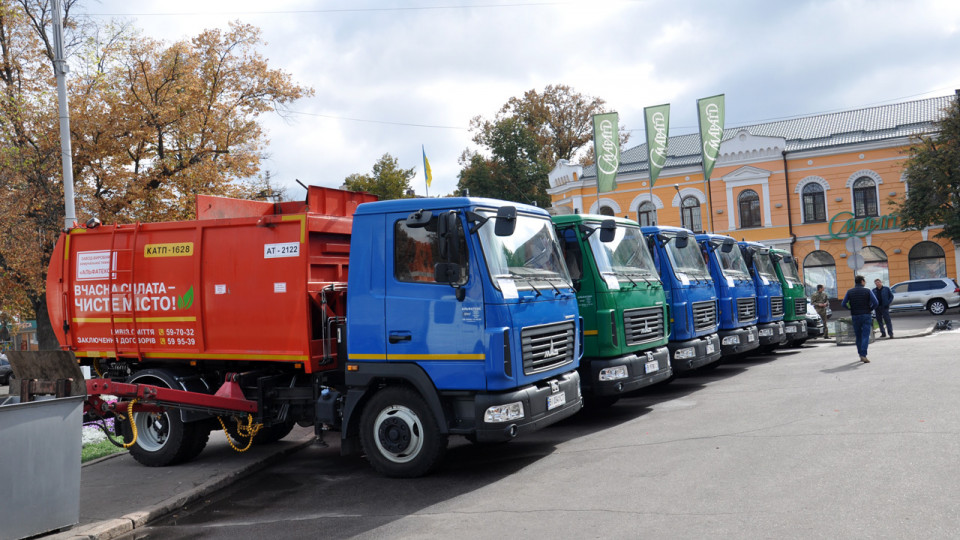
{"x":861,"y":303}
{"x":884,"y":299}
{"x":820,"y":301}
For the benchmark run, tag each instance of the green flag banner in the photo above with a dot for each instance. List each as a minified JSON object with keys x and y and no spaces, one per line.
{"x":710,"y":111}
{"x":656,"y":121}
{"x":606,"y":146}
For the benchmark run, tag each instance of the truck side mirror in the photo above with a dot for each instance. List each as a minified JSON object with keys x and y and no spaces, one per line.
{"x":776,"y":257}
{"x":788,"y":259}
{"x":446,"y":272}
{"x":727,"y":246}
{"x":682,"y":239}
{"x":608,"y":230}
{"x":506,"y":221}
{"x":748,"y":257}
{"x":447,"y":235}
{"x":418,"y":219}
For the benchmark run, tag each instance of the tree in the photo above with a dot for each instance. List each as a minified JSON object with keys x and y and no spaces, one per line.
{"x":387,"y":181}
{"x":932,"y":173}
{"x":525,"y":139}
{"x":152,"y":126}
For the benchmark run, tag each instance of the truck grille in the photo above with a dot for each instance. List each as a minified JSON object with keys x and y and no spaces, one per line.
{"x":643,"y":325}
{"x":546,"y":347}
{"x":704,"y":315}
{"x":746,"y":309}
{"x":800,"y":306}
{"x":776,"y":306}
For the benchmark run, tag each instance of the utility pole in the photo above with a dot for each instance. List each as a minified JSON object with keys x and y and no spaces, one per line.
{"x":61,"y":70}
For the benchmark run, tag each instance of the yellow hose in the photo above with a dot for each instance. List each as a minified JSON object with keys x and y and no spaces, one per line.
{"x":250,"y":430}
{"x":133,"y":425}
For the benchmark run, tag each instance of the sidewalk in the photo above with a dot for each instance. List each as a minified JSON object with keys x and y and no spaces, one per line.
{"x":118,"y":495}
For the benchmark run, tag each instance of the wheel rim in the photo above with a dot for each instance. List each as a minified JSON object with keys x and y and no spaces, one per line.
{"x":937,"y":308}
{"x":398,"y":433}
{"x":152,"y":430}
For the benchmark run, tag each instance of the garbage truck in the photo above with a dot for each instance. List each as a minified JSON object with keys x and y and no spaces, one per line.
{"x":395,"y":323}
{"x":770,"y":326}
{"x":691,"y":297}
{"x":622,"y":304}
{"x":736,"y":294}
{"x":794,"y":297}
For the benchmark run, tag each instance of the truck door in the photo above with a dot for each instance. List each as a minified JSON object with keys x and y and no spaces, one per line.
{"x":426,"y":323}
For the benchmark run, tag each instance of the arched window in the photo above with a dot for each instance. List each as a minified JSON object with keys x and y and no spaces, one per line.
{"x":874,"y":265}
{"x":749,"y":204}
{"x":819,"y":268}
{"x":647,"y":214}
{"x":690,"y":214}
{"x":606,"y":211}
{"x":865,"y":197}
{"x":927,"y":261}
{"x":814,"y":204}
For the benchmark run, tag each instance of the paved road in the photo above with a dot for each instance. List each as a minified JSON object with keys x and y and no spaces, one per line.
{"x":804,"y":443}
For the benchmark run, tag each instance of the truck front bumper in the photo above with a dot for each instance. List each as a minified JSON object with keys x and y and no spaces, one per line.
{"x":795,"y":330}
{"x":739,"y":340}
{"x":536,"y":400}
{"x":705,"y":350}
{"x":640,"y":372}
{"x":771,"y":333}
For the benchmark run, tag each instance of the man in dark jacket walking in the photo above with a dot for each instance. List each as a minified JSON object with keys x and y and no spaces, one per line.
{"x":884,"y":299}
{"x":861,"y":303}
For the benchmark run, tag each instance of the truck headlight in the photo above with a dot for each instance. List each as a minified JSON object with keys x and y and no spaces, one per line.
{"x":731,"y":340}
{"x":613,"y":373}
{"x":684,"y":353}
{"x":504,"y":413}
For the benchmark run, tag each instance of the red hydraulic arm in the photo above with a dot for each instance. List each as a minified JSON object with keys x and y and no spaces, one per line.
{"x":228,"y":400}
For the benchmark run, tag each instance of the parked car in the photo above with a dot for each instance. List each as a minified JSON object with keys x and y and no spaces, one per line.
{"x":5,"y":371}
{"x":935,"y":295}
{"x":815,"y":324}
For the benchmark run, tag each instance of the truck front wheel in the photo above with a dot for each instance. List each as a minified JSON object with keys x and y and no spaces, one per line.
{"x":400,"y":436}
{"x":163,"y":438}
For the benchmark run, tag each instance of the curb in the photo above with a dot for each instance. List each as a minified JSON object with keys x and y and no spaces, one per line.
{"x":113,"y":528}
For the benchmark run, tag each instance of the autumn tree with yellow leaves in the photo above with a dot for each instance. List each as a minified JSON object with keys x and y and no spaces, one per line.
{"x":152,"y":125}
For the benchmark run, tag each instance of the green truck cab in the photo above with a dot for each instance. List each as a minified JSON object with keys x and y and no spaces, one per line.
{"x":622,"y":304}
{"x":794,"y":297}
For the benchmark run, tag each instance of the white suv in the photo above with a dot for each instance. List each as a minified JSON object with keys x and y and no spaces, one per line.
{"x":935,"y":295}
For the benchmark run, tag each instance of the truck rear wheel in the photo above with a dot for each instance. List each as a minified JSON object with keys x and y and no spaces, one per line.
{"x":163,"y":438}
{"x":400,"y":436}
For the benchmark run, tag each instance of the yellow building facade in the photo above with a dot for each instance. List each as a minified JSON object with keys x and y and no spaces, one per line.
{"x":820,"y":187}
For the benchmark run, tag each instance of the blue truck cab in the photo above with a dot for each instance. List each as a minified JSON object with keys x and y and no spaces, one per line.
{"x":461,"y":320}
{"x":769,"y":294}
{"x":736,"y":294}
{"x":691,"y":297}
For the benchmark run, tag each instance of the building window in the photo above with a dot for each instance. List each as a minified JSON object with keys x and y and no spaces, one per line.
{"x":865,"y":197}
{"x":814,"y":203}
{"x":819,"y":268}
{"x":647,"y":214}
{"x":874,"y":265}
{"x":927,"y":261}
{"x":749,"y":203}
{"x":690,"y":214}
{"x":606,"y":211}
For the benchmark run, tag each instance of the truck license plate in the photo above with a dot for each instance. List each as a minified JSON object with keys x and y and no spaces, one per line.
{"x":749,"y":337}
{"x":556,"y":400}
{"x":710,"y":347}
{"x":650,"y":367}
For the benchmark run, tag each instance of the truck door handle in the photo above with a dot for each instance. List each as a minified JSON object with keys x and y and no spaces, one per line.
{"x":397,"y":337}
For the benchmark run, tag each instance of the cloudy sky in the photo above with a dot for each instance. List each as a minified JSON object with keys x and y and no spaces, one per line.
{"x":391,"y":75}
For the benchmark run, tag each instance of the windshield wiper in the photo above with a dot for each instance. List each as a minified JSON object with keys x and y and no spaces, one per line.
{"x":529,"y":282}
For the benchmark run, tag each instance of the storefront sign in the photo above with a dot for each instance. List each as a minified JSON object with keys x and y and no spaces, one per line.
{"x":845,"y":225}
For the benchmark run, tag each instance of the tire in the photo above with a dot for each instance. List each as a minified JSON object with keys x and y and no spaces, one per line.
{"x":599,"y":402}
{"x":400,"y":436}
{"x":937,"y":307}
{"x":798,"y":342}
{"x":163,"y":438}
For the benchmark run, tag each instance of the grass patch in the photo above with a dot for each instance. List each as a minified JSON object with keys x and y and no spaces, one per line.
{"x":98,"y":449}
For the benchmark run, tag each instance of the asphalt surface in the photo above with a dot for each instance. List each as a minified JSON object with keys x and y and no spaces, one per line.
{"x":805,"y":442}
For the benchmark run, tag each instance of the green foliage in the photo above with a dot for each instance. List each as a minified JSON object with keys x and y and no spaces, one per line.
{"x":387,"y":181}
{"x":99,"y":449}
{"x":932,"y":174}
{"x":514,"y":173}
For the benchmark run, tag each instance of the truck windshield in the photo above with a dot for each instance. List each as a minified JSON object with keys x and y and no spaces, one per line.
{"x":688,"y":259}
{"x":626,"y":255}
{"x":731,"y":263}
{"x":789,"y":271}
{"x":531,"y":256}
{"x":765,"y":266}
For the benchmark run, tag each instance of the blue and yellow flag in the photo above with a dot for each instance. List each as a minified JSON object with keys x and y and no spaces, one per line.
{"x":427,"y":173}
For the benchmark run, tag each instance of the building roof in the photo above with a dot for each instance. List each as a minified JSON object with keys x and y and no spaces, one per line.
{"x":806,"y":133}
